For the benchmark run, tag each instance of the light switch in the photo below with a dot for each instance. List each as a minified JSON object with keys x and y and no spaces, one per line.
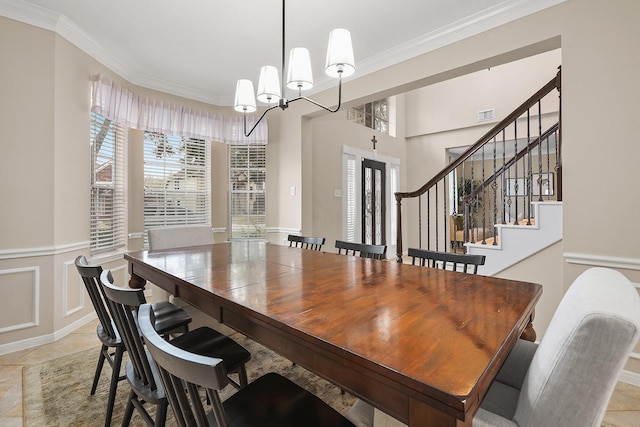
{"x":337,"y":193}
{"x":293,"y":191}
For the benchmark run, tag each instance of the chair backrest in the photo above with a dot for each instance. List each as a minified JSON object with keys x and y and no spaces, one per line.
{"x":576,"y":366}
{"x":180,"y":237}
{"x":313,"y":243}
{"x":124,"y":303}
{"x":91,"y":278}
{"x":362,"y":249}
{"x":182,"y":372}
{"x":467,"y":263}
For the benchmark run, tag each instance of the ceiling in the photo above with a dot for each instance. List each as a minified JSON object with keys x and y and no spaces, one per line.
{"x":199,"y":48}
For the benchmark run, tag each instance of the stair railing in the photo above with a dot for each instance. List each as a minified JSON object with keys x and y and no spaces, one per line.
{"x":493,"y":182}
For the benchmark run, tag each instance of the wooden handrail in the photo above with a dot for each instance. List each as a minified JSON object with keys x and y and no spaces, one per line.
{"x":486,"y":138}
{"x":553,"y":83}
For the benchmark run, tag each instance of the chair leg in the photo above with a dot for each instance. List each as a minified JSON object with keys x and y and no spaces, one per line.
{"x":161,"y":414}
{"x":242,"y":376}
{"x":128,"y":412}
{"x":99,"y":366}
{"x":115,"y":377}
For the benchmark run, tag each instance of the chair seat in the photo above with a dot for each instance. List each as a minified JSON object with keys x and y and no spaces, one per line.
{"x":169,"y":317}
{"x":106,"y":339}
{"x":209,"y":342}
{"x":273,"y":400}
{"x":501,"y":399}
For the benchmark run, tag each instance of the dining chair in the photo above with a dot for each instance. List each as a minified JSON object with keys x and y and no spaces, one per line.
{"x":271,"y":400}
{"x":112,"y":348}
{"x":175,"y":237}
{"x":304,"y":242}
{"x":567,"y":379}
{"x":361,"y":249}
{"x":169,"y":319}
{"x":466,"y":263}
{"x":141,"y":372}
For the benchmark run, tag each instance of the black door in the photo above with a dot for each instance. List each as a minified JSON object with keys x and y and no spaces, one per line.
{"x":373,"y":202}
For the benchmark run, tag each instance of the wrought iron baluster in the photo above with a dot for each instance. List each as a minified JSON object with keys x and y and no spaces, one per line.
{"x":528,"y":199}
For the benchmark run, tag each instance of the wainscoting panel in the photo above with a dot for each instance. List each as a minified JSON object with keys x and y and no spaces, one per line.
{"x":73,"y":293}
{"x":23,"y":284}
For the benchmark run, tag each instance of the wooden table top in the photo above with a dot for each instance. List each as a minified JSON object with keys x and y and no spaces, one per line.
{"x":442,"y":334}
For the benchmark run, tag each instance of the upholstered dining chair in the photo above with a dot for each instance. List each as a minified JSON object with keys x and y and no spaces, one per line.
{"x":361,"y":249}
{"x":175,"y":237}
{"x":271,"y":400}
{"x":568,"y":379}
{"x":467,"y":263}
{"x":179,"y":237}
{"x":141,"y":372}
{"x":305,"y":242}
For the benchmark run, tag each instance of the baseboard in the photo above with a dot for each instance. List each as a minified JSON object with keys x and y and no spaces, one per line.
{"x":629,"y":377}
{"x":46,"y":339}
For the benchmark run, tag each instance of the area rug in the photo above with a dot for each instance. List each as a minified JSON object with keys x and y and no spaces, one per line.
{"x":56,"y":393}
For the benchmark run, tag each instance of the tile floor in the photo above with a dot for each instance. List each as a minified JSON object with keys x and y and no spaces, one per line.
{"x":623,"y":411}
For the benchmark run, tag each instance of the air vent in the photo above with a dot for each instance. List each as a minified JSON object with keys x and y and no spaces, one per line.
{"x":485,"y":115}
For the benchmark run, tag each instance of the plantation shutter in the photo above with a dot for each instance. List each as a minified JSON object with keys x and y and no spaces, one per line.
{"x":177,"y":181}
{"x":108,"y":175}
{"x":247,"y":182}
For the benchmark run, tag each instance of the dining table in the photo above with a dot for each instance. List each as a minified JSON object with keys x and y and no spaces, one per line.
{"x":420,"y":344}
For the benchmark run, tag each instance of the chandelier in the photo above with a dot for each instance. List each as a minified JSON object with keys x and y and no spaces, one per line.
{"x":339,"y":64}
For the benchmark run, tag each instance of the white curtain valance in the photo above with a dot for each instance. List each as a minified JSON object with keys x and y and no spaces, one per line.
{"x":139,"y":112}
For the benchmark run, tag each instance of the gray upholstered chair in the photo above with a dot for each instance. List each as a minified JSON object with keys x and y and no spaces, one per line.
{"x":174,"y":237}
{"x":180,"y":237}
{"x":566,"y":380}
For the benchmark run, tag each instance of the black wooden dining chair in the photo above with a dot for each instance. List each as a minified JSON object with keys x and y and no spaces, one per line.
{"x":467,"y":263}
{"x":304,"y":242}
{"x":141,"y":372}
{"x":112,"y":348}
{"x":361,"y":249}
{"x":271,"y":400}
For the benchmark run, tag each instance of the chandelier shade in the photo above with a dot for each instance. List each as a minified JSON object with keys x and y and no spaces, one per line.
{"x":300,"y":76}
{"x":245,"y":101}
{"x":340,"y":60}
{"x":269,"y":85}
{"x":340,"y":63}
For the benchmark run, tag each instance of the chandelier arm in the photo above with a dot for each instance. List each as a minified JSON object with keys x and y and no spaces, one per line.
{"x":334,"y":110}
{"x":246,"y":135}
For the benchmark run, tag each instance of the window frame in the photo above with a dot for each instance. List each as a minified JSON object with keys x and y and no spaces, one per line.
{"x":177,"y":182}
{"x":248,"y":195}
{"x":107,"y":218}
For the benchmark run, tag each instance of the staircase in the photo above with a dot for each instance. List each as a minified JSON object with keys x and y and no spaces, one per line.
{"x":517,"y":242}
{"x":502,"y":197}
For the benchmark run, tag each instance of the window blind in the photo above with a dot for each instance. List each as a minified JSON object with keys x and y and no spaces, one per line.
{"x":108,"y":175}
{"x":177,"y":181}
{"x":247,"y":191}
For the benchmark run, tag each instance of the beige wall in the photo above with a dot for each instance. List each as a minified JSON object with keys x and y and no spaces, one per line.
{"x":47,"y":79}
{"x":44,"y":222}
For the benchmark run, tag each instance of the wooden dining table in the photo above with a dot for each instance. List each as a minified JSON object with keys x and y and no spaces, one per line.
{"x":420,"y":344}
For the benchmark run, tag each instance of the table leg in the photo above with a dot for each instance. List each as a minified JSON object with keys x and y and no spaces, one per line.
{"x":529,"y":334}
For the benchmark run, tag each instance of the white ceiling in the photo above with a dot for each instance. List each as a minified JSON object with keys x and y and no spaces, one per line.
{"x":199,"y":48}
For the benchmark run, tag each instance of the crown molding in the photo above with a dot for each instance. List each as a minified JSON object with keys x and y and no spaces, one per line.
{"x":488,"y":19}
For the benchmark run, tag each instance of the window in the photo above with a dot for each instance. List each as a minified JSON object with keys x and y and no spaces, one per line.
{"x":247,"y":185}
{"x":108,"y":204}
{"x":177,"y":181}
{"x":374,"y":115}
